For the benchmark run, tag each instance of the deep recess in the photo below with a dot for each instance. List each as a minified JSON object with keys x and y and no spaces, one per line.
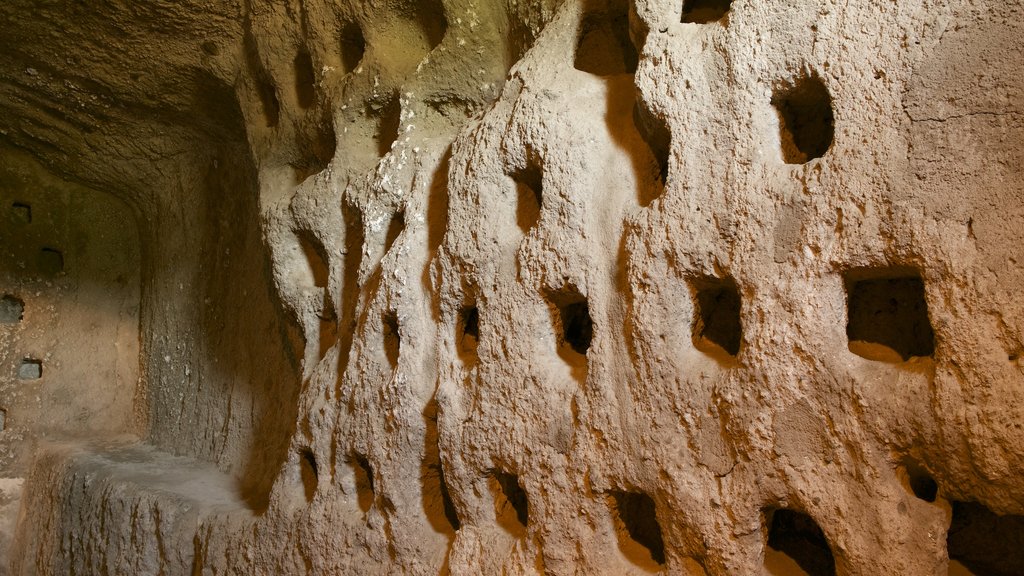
{"x":890,"y":311}
{"x":716,"y":318}
{"x":806,"y":120}
{"x":704,"y":11}
{"x":798,"y":536}
{"x":636,"y":511}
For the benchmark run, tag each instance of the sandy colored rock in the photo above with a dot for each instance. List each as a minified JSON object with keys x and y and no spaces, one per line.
{"x":511,"y":287}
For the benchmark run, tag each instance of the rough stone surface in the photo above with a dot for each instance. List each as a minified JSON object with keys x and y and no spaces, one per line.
{"x":512,"y":287}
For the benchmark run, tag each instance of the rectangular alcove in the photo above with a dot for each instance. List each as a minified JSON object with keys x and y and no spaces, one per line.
{"x":12,"y":309}
{"x":705,"y":11}
{"x":604,"y":47}
{"x":573,"y":322}
{"x":30,"y":369}
{"x":69,"y":309}
{"x":468,"y":333}
{"x":887,"y":314}
{"x":717,"y":328}
{"x":22,"y":212}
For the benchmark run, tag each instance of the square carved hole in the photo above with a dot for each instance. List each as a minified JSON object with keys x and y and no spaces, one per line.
{"x":887,"y":315}
{"x":716,"y":316}
{"x":51,"y":261}
{"x":30,"y":369}
{"x":12,"y":309}
{"x":22,"y":212}
{"x":705,"y":11}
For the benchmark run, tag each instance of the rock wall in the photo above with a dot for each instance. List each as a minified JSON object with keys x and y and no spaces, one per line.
{"x":484,"y":287}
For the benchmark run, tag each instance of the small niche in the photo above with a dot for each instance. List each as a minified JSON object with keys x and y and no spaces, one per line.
{"x":985,"y":542}
{"x":392,"y":339}
{"x":353,"y":46}
{"x":450,"y":513}
{"x":716,"y":317}
{"x":324,"y":144}
{"x":30,"y":369}
{"x":51,"y":261}
{"x":389,"y":120}
{"x":395,"y":228}
{"x":432,"y":21}
{"x":794,"y":537}
{"x":468,"y":332}
{"x":511,"y":505}
{"x":265,"y":88}
{"x":655,"y":132}
{"x":705,"y":11}
{"x":888,"y":315}
{"x":529,"y":181}
{"x":519,"y":39}
{"x":319,"y":276}
{"x":316,"y":258}
{"x":364,"y":481}
{"x":305,"y":80}
{"x":12,"y":309}
{"x":637,"y":528}
{"x":318,"y":150}
{"x":437,"y":501}
{"x":271,"y":106}
{"x":349,"y":292}
{"x":919,"y":482}
{"x":576,"y":328}
{"x":3,"y":419}
{"x":309,"y":473}
{"x":604,"y":47}
{"x":22,"y":213}
{"x":804,"y":108}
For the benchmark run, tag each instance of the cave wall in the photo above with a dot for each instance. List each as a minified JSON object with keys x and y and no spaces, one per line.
{"x":69,"y":324}
{"x":591,"y":286}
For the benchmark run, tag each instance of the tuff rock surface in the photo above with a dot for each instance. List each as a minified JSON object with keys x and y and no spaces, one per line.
{"x":511,"y":287}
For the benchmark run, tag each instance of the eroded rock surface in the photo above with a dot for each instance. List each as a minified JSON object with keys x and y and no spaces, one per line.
{"x":526,"y":287}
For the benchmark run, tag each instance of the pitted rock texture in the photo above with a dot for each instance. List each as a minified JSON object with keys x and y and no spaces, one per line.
{"x":512,"y":287}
